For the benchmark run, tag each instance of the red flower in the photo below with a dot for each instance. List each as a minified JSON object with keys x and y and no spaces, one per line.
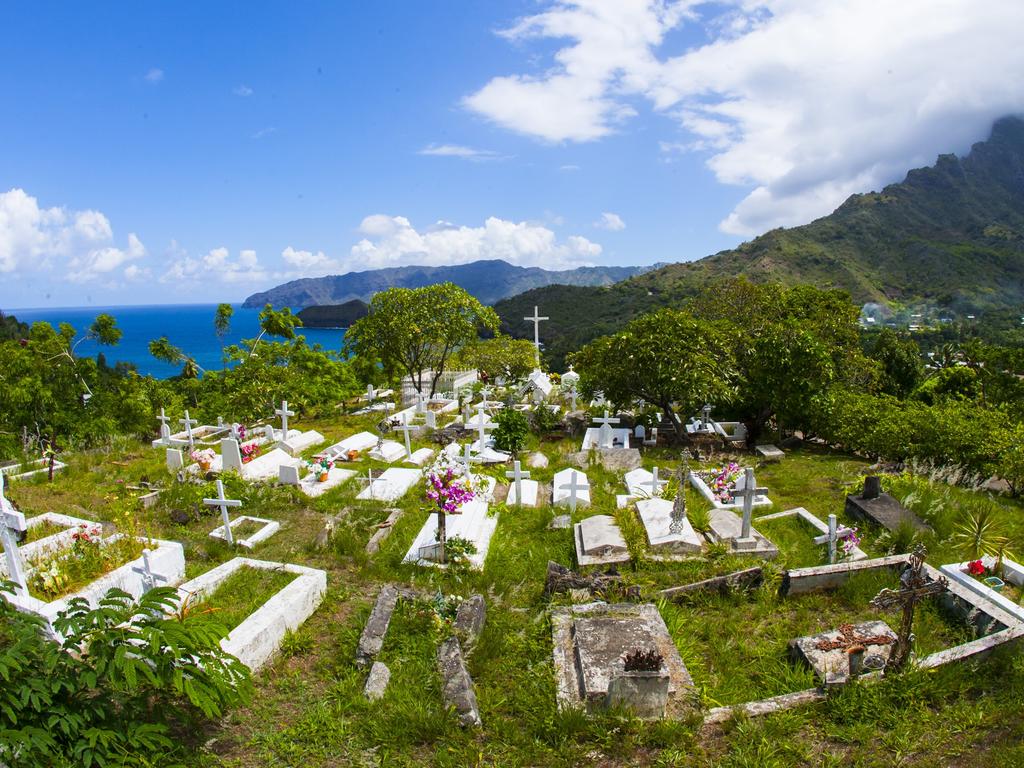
{"x":976,"y":568}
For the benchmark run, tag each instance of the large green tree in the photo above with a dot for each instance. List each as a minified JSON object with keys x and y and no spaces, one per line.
{"x":668,"y":359}
{"x":416,"y":331}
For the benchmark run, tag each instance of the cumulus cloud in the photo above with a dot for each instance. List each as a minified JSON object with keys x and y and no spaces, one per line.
{"x":307,"y":263}
{"x":390,"y":241}
{"x":154,"y":76}
{"x":610,"y":221}
{"x":459,"y":151}
{"x":101,"y":263}
{"x":803,"y":102}
{"x":217,"y":265}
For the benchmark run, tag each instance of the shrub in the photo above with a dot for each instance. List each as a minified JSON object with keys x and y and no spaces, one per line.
{"x":510,"y":434}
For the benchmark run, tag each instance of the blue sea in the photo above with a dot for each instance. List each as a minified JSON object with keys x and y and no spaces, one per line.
{"x":187,"y":326}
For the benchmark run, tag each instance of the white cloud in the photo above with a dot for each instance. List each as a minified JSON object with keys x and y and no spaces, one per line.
{"x":569,"y":167}
{"x":391,"y":241}
{"x":457,"y":150}
{"x":101,"y":263}
{"x":216,"y":265}
{"x":154,"y":76}
{"x":307,"y":263}
{"x":610,"y":221}
{"x":242,"y":90}
{"x":802,"y":101}
{"x":262,"y":133}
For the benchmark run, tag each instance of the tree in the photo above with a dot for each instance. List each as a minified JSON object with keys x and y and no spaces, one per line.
{"x":417,"y":330}
{"x":162,"y":349}
{"x":668,"y":359}
{"x":902,"y":365}
{"x":222,"y":320}
{"x":275,"y":323}
{"x":510,"y":434}
{"x":499,"y":356}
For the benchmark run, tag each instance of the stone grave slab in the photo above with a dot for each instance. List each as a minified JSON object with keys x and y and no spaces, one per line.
{"x":770,"y":452}
{"x":268,"y":529}
{"x":761,"y":500}
{"x":392,"y":485}
{"x":175,"y":459}
{"x":420,"y":457}
{"x":591,"y":439}
{"x":530,"y":493}
{"x":302,"y":442}
{"x":662,"y":541}
{"x":361,"y":442}
{"x":599,"y":542}
{"x":312,"y":487}
{"x":474,"y":524}
{"x":589,"y":639}
{"x":561,"y":496}
{"x":880,"y":508}
{"x":727,"y":527}
{"x":831,"y":666}
{"x":488,"y":454}
{"x":389,"y":451}
{"x":639,"y":483}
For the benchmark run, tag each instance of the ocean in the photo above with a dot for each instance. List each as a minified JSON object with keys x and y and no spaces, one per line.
{"x":187,"y":326}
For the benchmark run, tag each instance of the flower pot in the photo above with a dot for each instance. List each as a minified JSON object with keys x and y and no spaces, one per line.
{"x":353,"y":455}
{"x":995,"y":583}
{"x":322,"y":477}
{"x":645,"y":693}
{"x":205,"y":465}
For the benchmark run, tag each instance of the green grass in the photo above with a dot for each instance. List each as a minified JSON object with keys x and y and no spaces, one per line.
{"x":309,"y":708}
{"x":243,"y":592}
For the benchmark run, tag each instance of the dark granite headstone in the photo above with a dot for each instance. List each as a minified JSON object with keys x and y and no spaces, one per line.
{"x":880,"y":508}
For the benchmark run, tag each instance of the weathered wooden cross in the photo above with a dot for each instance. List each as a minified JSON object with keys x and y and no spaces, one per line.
{"x":12,"y":525}
{"x":518,"y":476}
{"x":224,"y":503}
{"x":915,"y":585}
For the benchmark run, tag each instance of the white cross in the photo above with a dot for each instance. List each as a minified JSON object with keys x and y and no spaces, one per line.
{"x":604,"y":433}
{"x":284,"y":413}
{"x":748,"y":493}
{"x":467,"y":457}
{"x":371,"y":393}
{"x":149,"y":578}
{"x":223,"y":502}
{"x":518,"y":475}
{"x":480,"y":425}
{"x":654,"y":483}
{"x":406,"y":428}
{"x":188,"y":423}
{"x":536,"y":320}
{"x":12,"y":523}
{"x":835,"y":533}
{"x":485,"y":390}
{"x":572,"y":487}
{"x":369,"y":480}
{"x":163,"y":421}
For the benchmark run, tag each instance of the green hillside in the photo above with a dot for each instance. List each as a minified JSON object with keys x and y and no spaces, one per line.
{"x":951,"y":234}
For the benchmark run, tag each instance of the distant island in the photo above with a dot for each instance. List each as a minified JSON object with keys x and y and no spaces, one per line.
{"x":334,"y":315}
{"x":488,"y":280}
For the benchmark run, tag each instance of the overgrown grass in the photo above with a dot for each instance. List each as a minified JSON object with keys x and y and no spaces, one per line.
{"x":243,"y":592}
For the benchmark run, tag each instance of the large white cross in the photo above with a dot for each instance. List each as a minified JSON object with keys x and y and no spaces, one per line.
{"x":654,"y":483}
{"x":518,"y":475}
{"x":467,"y":457}
{"x":480,"y":425}
{"x":749,"y":492}
{"x":835,"y":533}
{"x":536,"y":320}
{"x":149,"y":577}
{"x":406,"y":428}
{"x":371,"y":393}
{"x":165,"y":431}
{"x":605,"y":435}
{"x":284,"y":413}
{"x":188,"y":423}
{"x":12,"y":523}
{"x":224,"y":502}
{"x":572,"y":487}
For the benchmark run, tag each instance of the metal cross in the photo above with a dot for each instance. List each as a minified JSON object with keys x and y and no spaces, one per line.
{"x":572,"y":487}
{"x":406,"y":428}
{"x":149,"y":577}
{"x":678,"y":518}
{"x":915,"y":586}
{"x":536,"y":320}
{"x":188,"y":423}
{"x":12,"y":525}
{"x":224,"y":502}
{"x":518,"y":475}
{"x":284,"y":413}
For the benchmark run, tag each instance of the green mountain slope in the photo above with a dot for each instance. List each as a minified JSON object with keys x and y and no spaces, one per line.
{"x":951,"y":234}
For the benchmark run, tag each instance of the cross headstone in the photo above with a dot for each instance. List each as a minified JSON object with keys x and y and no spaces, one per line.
{"x":224,"y":503}
{"x":677,"y":523}
{"x":835,"y":533}
{"x":371,"y":393}
{"x":915,"y":586}
{"x":572,"y":397}
{"x":654,"y":483}
{"x":705,"y":416}
{"x":485,"y":390}
{"x":536,"y":320}
{"x":165,"y":431}
{"x":481,"y":427}
{"x":406,"y":428}
{"x":605,"y":436}
{"x":518,"y":476}
{"x":467,"y":457}
{"x":149,"y":577}
{"x":746,"y":488}
{"x":573,"y":487}
{"x":188,"y":423}
{"x":369,"y":480}
{"x":12,"y":525}
{"x":284,"y":413}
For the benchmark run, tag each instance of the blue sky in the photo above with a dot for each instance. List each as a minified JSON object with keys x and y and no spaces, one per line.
{"x":173,"y":152}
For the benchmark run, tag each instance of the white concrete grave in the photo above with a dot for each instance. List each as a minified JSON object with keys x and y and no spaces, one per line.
{"x":392,"y":485}
{"x":255,"y":641}
{"x":226,"y":531}
{"x":295,"y":445}
{"x":34,"y":550}
{"x":361,"y":442}
{"x":292,"y":474}
{"x":570,"y":488}
{"x":599,"y":542}
{"x":12,"y":525}
{"x":473,"y":523}
{"x":522,"y":490}
{"x":389,"y":452}
{"x":667,"y":536}
{"x":604,"y":436}
{"x":760,"y":500}
{"x":814,"y":522}
{"x":420,"y":457}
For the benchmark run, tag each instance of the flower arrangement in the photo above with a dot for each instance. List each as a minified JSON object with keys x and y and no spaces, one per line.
{"x":321,"y":468}
{"x":851,"y":542}
{"x":448,"y":487}
{"x":240,"y":431}
{"x":203,"y":457}
{"x":722,"y":480}
{"x":976,"y":568}
{"x":89,"y":557}
{"x":249,"y":452}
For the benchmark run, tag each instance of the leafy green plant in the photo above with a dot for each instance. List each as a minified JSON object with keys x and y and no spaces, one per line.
{"x":123,"y":676}
{"x":510,"y":434}
{"x":980,"y":533}
{"x":544,"y":419}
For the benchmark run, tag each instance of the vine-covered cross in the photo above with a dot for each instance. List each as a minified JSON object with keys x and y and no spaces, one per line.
{"x":915,"y":585}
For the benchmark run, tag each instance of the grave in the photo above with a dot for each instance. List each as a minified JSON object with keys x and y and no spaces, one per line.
{"x":522,"y":490}
{"x":392,"y":485}
{"x":640,"y":484}
{"x":420,"y":457}
{"x":473,"y":523}
{"x":289,"y":474}
{"x":668,"y":536}
{"x":599,"y":542}
{"x":701,"y":424}
{"x":19,"y":471}
{"x":604,"y":436}
{"x":296,"y":444}
{"x":589,"y":641}
{"x":698,"y":483}
{"x":389,"y":451}
{"x":880,"y":508}
{"x":359,"y":442}
{"x":770,"y":452}
{"x":55,"y":541}
{"x":570,"y":488}
{"x":827,"y":533}
{"x":257,"y":639}
{"x":828,"y":654}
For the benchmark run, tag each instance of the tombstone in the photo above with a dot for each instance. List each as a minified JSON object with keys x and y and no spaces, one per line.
{"x":872,"y":487}
{"x":835,"y":533}
{"x":175,"y":460}
{"x":599,"y":542}
{"x":269,"y":434}
{"x":230,"y":455}
{"x":284,"y":413}
{"x":640,"y":432}
{"x":465,"y":414}
{"x":149,"y":578}
{"x":536,"y":320}
{"x":828,"y":653}
{"x":481,"y":426}
{"x":746,"y":489}
{"x":517,"y":476}
{"x":188,"y":423}
{"x":653,"y":439}
{"x":371,"y":393}
{"x":224,"y":503}
{"x":605,"y":435}
{"x":165,"y":431}
{"x":572,"y":398}
{"x":573,"y":488}
{"x":288,"y":474}
{"x":12,"y":526}
{"x":406,"y":428}
{"x":430,"y":419}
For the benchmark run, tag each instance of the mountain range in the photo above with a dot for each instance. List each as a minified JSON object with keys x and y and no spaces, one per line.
{"x":488,"y":280}
{"x":950,"y":235}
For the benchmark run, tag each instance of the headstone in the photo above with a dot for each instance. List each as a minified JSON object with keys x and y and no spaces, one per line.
{"x":284,"y":413}
{"x":288,"y":474}
{"x":537,"y":460}
{"x":517,"y":476}
{"x":406,"y":429}
{"x":573,"y":489}
{"x":377,"y":681}
{"x":640,"y":432}
{"x":269,"y":434}
{"x":599,"y":542}
{"x":372,"y":638}
{"x":175,"y":460}
{"x":165,"y":431}
{"x":230,"y":455}
{"x":653,"y":439}
{"x":872,"y":487}
{"x":832,"y":538}
{"x":746,"y":489}
{"x":224,"y":503}
{"x":606,"y":436}
{"x":430,"y":418}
